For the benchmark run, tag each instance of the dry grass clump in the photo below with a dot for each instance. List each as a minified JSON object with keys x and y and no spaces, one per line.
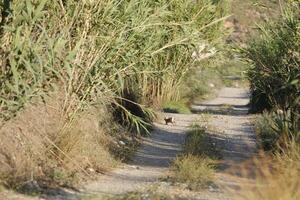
{"x":198,"y":142}
{"x":42,"y":144}
{"x":278,"y":178}
{"x":196,"y":171}
{"x":196,"y":167}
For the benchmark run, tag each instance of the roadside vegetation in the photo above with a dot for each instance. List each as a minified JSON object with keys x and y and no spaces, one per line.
{"x":274,"y":75}
{"x":196,"y":166}
{"x":274,"y":79}
{"x":79,"y":80}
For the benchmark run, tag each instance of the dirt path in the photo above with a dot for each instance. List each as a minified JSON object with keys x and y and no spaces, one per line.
{"x":230,"y":128}
{"x":150,"y":162}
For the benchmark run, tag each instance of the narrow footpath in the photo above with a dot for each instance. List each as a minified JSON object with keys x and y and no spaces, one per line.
{"x":230,"y":128}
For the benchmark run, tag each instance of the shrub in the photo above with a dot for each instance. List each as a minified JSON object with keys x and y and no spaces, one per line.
{"x":196,"y":166}
{"x":44,"y":145}
{"x":277,"y":178}
{"x":265,"y":125}
{"x":198,"y":142}
{"x":275,"y":72}
{"x":196,"y":171}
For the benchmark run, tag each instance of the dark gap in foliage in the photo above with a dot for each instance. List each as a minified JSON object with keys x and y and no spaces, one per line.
{"x":128,"y":112}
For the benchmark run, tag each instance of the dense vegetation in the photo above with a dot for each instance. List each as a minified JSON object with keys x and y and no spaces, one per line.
{"x":70,"y":68}
{"x":275,"y":73}
{"x":275,"y":90}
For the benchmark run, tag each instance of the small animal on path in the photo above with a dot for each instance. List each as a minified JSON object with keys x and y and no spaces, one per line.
{"x":169,"y":120}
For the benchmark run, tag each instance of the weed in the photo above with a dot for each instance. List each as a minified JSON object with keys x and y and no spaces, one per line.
{"x":196,"y":166}
{"x":196,"y":171}
{"x":198,"y":142}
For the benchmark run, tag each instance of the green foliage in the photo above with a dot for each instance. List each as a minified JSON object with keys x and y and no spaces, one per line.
{"x":275,"y":73}
{"x":265,"y":129}
{"x":60,"y":59}
{"x":92,"y":50}
{"x":176,"y":107}
{"x":224,"y":68}
{"x":196,"y":166}
{"x":197,"y":85}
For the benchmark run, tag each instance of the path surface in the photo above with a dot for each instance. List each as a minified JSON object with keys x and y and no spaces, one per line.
{"x":234,"y":135}
{"x":151,"y":160}
{"x":230,"y":128}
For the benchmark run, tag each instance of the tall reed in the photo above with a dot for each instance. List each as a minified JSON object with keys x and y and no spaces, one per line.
{"x":90,"y":49}
{"x":122,"y":56}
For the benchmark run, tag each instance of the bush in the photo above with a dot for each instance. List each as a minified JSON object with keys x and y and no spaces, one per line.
{"x":265,"y":129}
{"x":277,"y":178}
{"x":275,"y":73}
{"x":196,"y":171}
{"x":198,"y":142}
{"x":196,"y":166}
{"x":41,"y":144}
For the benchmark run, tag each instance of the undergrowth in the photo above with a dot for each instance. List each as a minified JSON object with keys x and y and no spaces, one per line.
{"x":277,"y":177}
{"x":274,"y":81}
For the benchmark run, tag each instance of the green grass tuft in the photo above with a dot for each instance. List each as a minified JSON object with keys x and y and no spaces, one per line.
{"x":176,"y":107}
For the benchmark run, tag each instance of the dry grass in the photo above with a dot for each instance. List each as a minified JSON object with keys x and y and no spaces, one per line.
{"x":43,"y":144}
{"x":277,"y":171}
{"x":198,"y":142}
{"x":196,"y":171}
{"x":278,"y":178}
